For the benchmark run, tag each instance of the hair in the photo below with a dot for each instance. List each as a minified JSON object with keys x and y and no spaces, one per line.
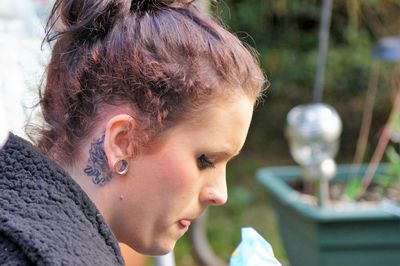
{"x":164,"y":59}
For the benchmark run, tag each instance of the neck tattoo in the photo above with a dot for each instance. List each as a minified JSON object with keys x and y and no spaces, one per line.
{"x":97,"y":165}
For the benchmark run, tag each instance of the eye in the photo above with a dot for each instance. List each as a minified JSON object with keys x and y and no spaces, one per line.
{"x":204,"y":162}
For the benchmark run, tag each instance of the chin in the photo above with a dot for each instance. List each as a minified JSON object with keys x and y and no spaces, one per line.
{"x":158,"y":248}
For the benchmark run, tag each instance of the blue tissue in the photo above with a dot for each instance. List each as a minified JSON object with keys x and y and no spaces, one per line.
{"x":253,"y":250}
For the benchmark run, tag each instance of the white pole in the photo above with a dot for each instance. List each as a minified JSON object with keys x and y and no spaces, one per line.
{"x":165,"y":260}
{"x":325,"y":25}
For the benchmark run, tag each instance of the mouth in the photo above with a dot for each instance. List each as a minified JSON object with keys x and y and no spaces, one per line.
{"x":185,"y":223}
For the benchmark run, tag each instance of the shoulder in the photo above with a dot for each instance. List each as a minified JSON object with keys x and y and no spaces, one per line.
{"x":11,"y":253}
{"x":47,"y":215}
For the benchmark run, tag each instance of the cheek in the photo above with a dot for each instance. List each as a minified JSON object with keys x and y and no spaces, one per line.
{"x":169,"y":178}
{"x":177,"y":171}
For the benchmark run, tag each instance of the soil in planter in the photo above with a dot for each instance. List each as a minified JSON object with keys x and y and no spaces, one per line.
{"x":374,"y":195}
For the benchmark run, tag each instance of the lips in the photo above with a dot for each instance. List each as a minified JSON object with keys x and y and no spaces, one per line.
{"x":185,"y":223}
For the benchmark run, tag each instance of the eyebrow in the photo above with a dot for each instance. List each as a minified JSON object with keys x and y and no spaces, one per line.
{"x":225,"y":153}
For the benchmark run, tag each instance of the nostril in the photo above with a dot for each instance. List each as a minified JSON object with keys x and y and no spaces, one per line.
{"x":216,"y":198}
{"x":212,"y":197}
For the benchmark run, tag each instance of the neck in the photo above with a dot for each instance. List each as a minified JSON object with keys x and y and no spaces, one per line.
{"x":99,"y":194}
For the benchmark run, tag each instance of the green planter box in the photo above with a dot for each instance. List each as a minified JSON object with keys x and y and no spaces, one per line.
{"x":317,"y":237}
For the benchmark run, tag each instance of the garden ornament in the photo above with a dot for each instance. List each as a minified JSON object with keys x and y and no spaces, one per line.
{"x":388,"y":49}
{"x":313,"y":132}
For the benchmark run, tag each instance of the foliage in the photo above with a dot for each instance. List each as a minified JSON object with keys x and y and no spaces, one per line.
{"x":353,"y":187}
{"x":285,"y":35}
{"x":393,"y":173}
{"x":384,"y":181}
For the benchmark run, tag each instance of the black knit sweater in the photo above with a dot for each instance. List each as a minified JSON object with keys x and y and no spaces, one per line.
{"x":45,"y":217}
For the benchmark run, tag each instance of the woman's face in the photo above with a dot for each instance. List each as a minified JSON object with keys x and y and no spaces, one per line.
{"x":171,"y":185}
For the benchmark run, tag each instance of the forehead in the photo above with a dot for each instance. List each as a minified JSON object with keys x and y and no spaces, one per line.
{"x":220,"y":124}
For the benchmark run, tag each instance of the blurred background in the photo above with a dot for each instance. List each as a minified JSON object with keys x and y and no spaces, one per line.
{"x":284,"y":33}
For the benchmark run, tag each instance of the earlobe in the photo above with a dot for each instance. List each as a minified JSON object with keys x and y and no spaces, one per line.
{"x":118,"y":144}
{"x":121,"y":167}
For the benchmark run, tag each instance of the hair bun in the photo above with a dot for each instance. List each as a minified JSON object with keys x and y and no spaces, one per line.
{"x":147,"y":5}
{"x":88,"y":19}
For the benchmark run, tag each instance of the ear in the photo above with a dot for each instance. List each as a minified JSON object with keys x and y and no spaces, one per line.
{"x":118,"y":139}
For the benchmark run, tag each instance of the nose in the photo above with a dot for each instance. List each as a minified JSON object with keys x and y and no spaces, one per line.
{"x":216,"y":192}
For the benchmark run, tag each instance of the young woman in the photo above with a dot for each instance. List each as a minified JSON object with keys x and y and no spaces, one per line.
{"x":145,"y":103}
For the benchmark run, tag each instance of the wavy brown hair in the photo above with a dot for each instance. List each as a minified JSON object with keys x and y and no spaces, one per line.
{"x":164,"y":59}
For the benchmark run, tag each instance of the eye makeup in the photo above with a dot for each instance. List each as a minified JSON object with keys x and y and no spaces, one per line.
{"x":204,"y":162}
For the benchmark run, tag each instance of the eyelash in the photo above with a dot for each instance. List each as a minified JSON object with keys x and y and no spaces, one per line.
{"x":204,"y":162}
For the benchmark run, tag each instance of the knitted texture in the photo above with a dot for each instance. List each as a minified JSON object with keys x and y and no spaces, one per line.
{"x":45,"y":217}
